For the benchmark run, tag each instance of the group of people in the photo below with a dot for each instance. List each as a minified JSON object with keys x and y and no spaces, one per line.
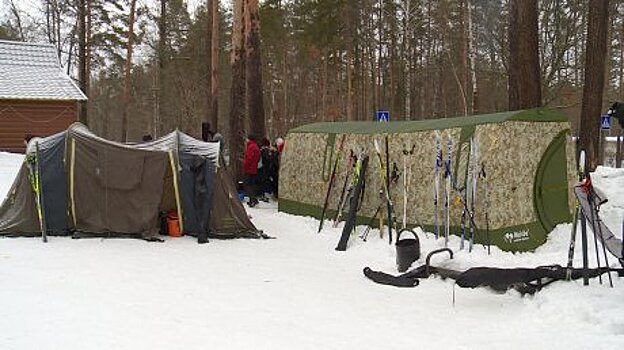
{"x":261,"y":168}
{"x":261,"y":161}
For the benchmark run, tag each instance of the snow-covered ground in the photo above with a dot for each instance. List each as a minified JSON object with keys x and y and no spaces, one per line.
{"x":293,"y":292}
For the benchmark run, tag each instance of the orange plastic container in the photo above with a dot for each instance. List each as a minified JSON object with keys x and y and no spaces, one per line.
{"x":173,"y":224}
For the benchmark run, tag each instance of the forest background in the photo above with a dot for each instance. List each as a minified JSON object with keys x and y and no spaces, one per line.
{"x":150,"y":66}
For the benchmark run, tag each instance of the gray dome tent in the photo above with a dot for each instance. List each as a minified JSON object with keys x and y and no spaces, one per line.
{"x":90,"y":186}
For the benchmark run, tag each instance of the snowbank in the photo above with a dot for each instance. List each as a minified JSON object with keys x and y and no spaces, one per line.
{"x":293,"y":292}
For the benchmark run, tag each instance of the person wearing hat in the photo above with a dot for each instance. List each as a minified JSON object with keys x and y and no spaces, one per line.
{"x":279,"y":143}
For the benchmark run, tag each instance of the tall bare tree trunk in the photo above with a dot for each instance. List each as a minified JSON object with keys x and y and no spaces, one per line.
{"x":349,"y":54}
{"x":59,"y":44}
{"x":379,"y":101}
{"x":524,"y":70}
{"x":595,"y":52}
{"x":127,"y":73}
{"x":323,"y":115}
{"x":214,"y":65}
{"x":207,"y":119}
{"x":409,"y":57}
{"x":237,"y":91}
{"x":463,"y":69}
{"x":255,"y":102}
{"x":607,"y":77}
{"x":70,"y":50}
{"x":82,"y":58}
{"x":285,"y":86}
{"x":88,"y":28}
{"x":472,"y":58}
{"x":18,"y":20}
{"x":159,"y":112}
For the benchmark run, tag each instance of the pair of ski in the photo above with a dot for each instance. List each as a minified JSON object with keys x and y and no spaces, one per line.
{"x":394,"y":178}
{"x":34,"y":167}
{"x":469,"y":191}
{"x":446,"y":167}
{"x":587,"y":212}
{"x":359,"y":177}
{"x":384,"y":176}
{"x":332,"y":180}
{"x":352,"y":166}
{"x":384,"y":171}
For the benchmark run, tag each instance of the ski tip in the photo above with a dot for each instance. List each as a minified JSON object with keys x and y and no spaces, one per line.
{"x":377,"y":148}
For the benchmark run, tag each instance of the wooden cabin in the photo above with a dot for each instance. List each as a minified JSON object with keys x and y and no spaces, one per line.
{"x":37,"y":97}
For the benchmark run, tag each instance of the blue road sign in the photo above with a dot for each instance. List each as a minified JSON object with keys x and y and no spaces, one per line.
{"x":605,"y":122}
{"x":383,"y":116}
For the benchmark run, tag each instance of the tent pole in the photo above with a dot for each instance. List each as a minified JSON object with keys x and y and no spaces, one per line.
{"x":72,"y":168}
{"x":39,"y":194}
{"x":174,"y":171}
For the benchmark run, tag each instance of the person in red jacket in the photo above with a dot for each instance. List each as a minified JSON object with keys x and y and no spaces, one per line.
{"x":250,"y":169}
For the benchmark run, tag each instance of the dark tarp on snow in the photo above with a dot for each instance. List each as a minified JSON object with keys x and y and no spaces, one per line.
{"x":94,"y":187}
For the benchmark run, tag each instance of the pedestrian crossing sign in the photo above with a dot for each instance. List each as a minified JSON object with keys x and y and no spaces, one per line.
{"x":605,"y":122}
{"x":383,"y":116}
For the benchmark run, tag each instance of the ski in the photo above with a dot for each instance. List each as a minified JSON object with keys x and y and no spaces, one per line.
{"x":483,"y":175}
{"x":360,"y":174}
{"x":332,"y":180}
{"x":344,"y":193}
{"x":34,"y":168}
{"x":406,"y":178}
{"x":474,"y":157}
{"x":436,"y":179}
{"x":42,"y":216}
{"x":463,"y":216}
{"x":391,"y":218}
{"x":577,"y":213}
{"x":378,"y":211}
{"x":447,"y":176}
{"x":389,"y":205}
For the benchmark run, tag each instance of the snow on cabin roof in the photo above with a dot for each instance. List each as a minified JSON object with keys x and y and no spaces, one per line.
{"x":32,"y":71}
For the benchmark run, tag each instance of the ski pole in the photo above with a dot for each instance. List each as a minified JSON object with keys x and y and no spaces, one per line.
{"x":473,"y":171}
{"x":405,"y":175}
{"x":332,"y":179}
{"x":344,"y":193}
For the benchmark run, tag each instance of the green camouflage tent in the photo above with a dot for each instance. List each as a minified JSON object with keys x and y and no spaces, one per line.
{"x":528,"y":157}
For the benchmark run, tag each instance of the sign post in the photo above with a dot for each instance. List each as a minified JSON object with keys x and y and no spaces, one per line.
{"x":605,"y":128}
{"x":605,"y":122}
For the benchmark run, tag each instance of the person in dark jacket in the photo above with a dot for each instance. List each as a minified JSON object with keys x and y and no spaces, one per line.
{"x":251,"y":158}
{"x":279,"y":147}
{"x":265,"y":178}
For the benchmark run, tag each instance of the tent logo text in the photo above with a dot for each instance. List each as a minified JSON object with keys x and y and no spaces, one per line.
{"x":517,"y":236}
